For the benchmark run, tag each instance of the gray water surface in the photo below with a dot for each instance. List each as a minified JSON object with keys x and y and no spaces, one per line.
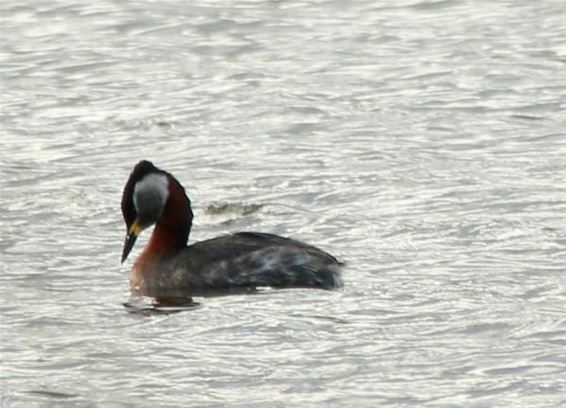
{"x":420,"y":141}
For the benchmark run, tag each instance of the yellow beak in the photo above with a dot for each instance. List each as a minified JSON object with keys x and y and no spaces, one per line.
{"x":133,"y":233}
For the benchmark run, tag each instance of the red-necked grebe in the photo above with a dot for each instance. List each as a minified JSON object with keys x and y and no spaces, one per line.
{"x":243,"y":261}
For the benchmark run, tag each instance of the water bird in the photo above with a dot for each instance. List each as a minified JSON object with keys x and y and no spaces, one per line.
{"x":240,"y":262}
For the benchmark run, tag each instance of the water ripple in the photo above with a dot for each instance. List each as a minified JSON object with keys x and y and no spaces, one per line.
{"x":420,"y":141}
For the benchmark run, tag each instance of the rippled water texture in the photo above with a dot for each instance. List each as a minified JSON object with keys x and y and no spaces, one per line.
{"x":420,"y":141}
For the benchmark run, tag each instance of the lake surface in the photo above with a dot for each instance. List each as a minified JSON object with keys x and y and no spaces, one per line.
{"x":422,"y":142}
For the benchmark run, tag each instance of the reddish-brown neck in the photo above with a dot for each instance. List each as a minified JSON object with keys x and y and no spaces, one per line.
{"x":171,"y":232}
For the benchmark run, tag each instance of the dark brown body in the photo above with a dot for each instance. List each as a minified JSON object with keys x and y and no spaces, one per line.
{"x":234,"y":263}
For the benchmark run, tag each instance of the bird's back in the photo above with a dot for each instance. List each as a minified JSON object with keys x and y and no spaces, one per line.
{"x":251,"y":259}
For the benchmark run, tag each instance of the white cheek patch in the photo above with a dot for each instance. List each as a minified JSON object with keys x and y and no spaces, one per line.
{"x":153,"y":185}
